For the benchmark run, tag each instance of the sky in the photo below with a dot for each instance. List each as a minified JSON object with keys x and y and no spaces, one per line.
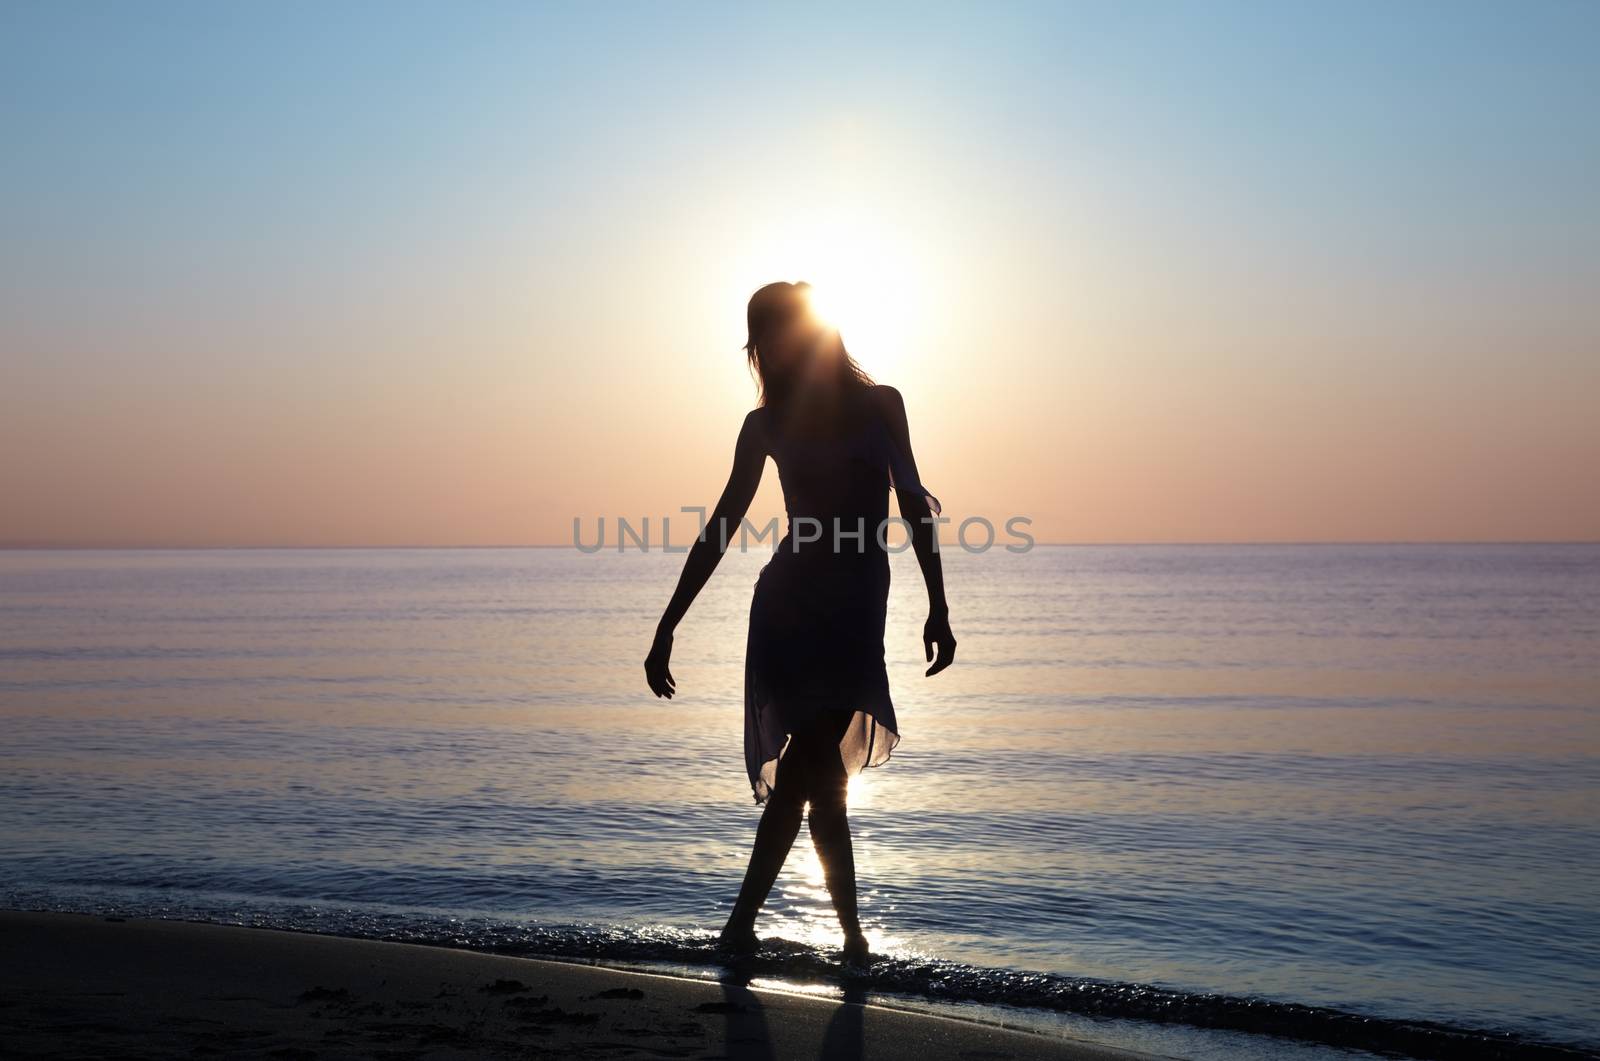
{"x":457,"y":274}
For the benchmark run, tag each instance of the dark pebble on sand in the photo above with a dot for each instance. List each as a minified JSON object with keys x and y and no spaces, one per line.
{"x":527,"y":1003}
{"x":560,"y":1016}
{"x":326,"y":994}
{"x":504,"y":987}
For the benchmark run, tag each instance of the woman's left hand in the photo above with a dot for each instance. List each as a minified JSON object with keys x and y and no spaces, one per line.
{"x":939,"y":642}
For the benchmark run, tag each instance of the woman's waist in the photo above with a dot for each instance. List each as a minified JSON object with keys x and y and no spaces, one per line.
{"x":825,"y":558}
{"x":814,"y":580}
{"x":854,"y":534}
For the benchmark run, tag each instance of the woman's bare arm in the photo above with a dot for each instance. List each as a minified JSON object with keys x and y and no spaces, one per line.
{"x":938,"y":642}
{"x":749,"y":458}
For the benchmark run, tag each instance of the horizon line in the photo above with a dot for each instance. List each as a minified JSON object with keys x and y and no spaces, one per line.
{"x":86,"y":548}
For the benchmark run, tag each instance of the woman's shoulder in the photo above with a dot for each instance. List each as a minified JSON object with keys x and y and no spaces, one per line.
{"x":758,"y":425}
{"x":887,"y":403}
{"x":885,"y":397}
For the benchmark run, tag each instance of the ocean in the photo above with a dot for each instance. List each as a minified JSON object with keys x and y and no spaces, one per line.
{"x":1213,"y":801}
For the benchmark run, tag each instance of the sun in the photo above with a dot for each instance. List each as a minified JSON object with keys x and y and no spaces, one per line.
{"x":823,"y":306}
{"x":876,"y":314}
{"x":877,"y":311}
{"x":868,"y":280}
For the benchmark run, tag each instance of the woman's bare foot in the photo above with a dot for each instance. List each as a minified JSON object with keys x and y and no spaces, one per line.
{"x":740,"y":939}
{"x":856,"y":951}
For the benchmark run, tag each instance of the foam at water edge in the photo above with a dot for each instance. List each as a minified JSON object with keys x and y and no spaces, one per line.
{"x":912,"y":976}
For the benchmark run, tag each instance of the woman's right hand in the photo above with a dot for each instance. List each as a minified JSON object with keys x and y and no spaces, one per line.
{"x":656,"y":672}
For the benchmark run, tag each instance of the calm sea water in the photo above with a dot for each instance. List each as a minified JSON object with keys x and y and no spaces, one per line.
{"x":1247,"y":789}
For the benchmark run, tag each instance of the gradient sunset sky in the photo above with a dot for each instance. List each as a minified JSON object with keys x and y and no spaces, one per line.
{"x":435,"y":274}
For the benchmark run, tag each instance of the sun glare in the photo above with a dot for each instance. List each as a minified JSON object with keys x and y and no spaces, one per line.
{"x":823,"y":307}
{"x":875,"y":311}
{"x":868,"y":280}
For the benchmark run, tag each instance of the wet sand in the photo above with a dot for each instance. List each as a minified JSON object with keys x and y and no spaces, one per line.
{"x":74,"y":986}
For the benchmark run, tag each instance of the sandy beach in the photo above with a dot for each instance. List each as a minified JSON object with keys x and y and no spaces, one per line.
{"x":74,"y":986}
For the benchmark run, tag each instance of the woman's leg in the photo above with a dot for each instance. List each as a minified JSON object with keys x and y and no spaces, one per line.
{"x":811,"y":770}
{"x":780,"y":824}
{"x":830,"y":831}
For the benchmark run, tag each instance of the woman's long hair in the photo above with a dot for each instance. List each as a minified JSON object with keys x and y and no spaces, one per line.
{"x":772,"y":307}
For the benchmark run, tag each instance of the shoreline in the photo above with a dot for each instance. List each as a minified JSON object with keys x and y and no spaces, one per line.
{"x":82,"y":985}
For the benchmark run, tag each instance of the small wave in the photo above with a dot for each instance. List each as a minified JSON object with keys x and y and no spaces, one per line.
{"x":910,"y":976}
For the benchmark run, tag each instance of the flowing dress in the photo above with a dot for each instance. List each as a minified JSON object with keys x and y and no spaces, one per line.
{"x":817,"y":615}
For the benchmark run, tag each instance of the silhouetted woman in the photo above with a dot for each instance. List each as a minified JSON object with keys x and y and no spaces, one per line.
{"x":816,"y":704}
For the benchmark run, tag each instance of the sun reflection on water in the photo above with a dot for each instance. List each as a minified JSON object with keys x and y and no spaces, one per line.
{"x":801,"y":910}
